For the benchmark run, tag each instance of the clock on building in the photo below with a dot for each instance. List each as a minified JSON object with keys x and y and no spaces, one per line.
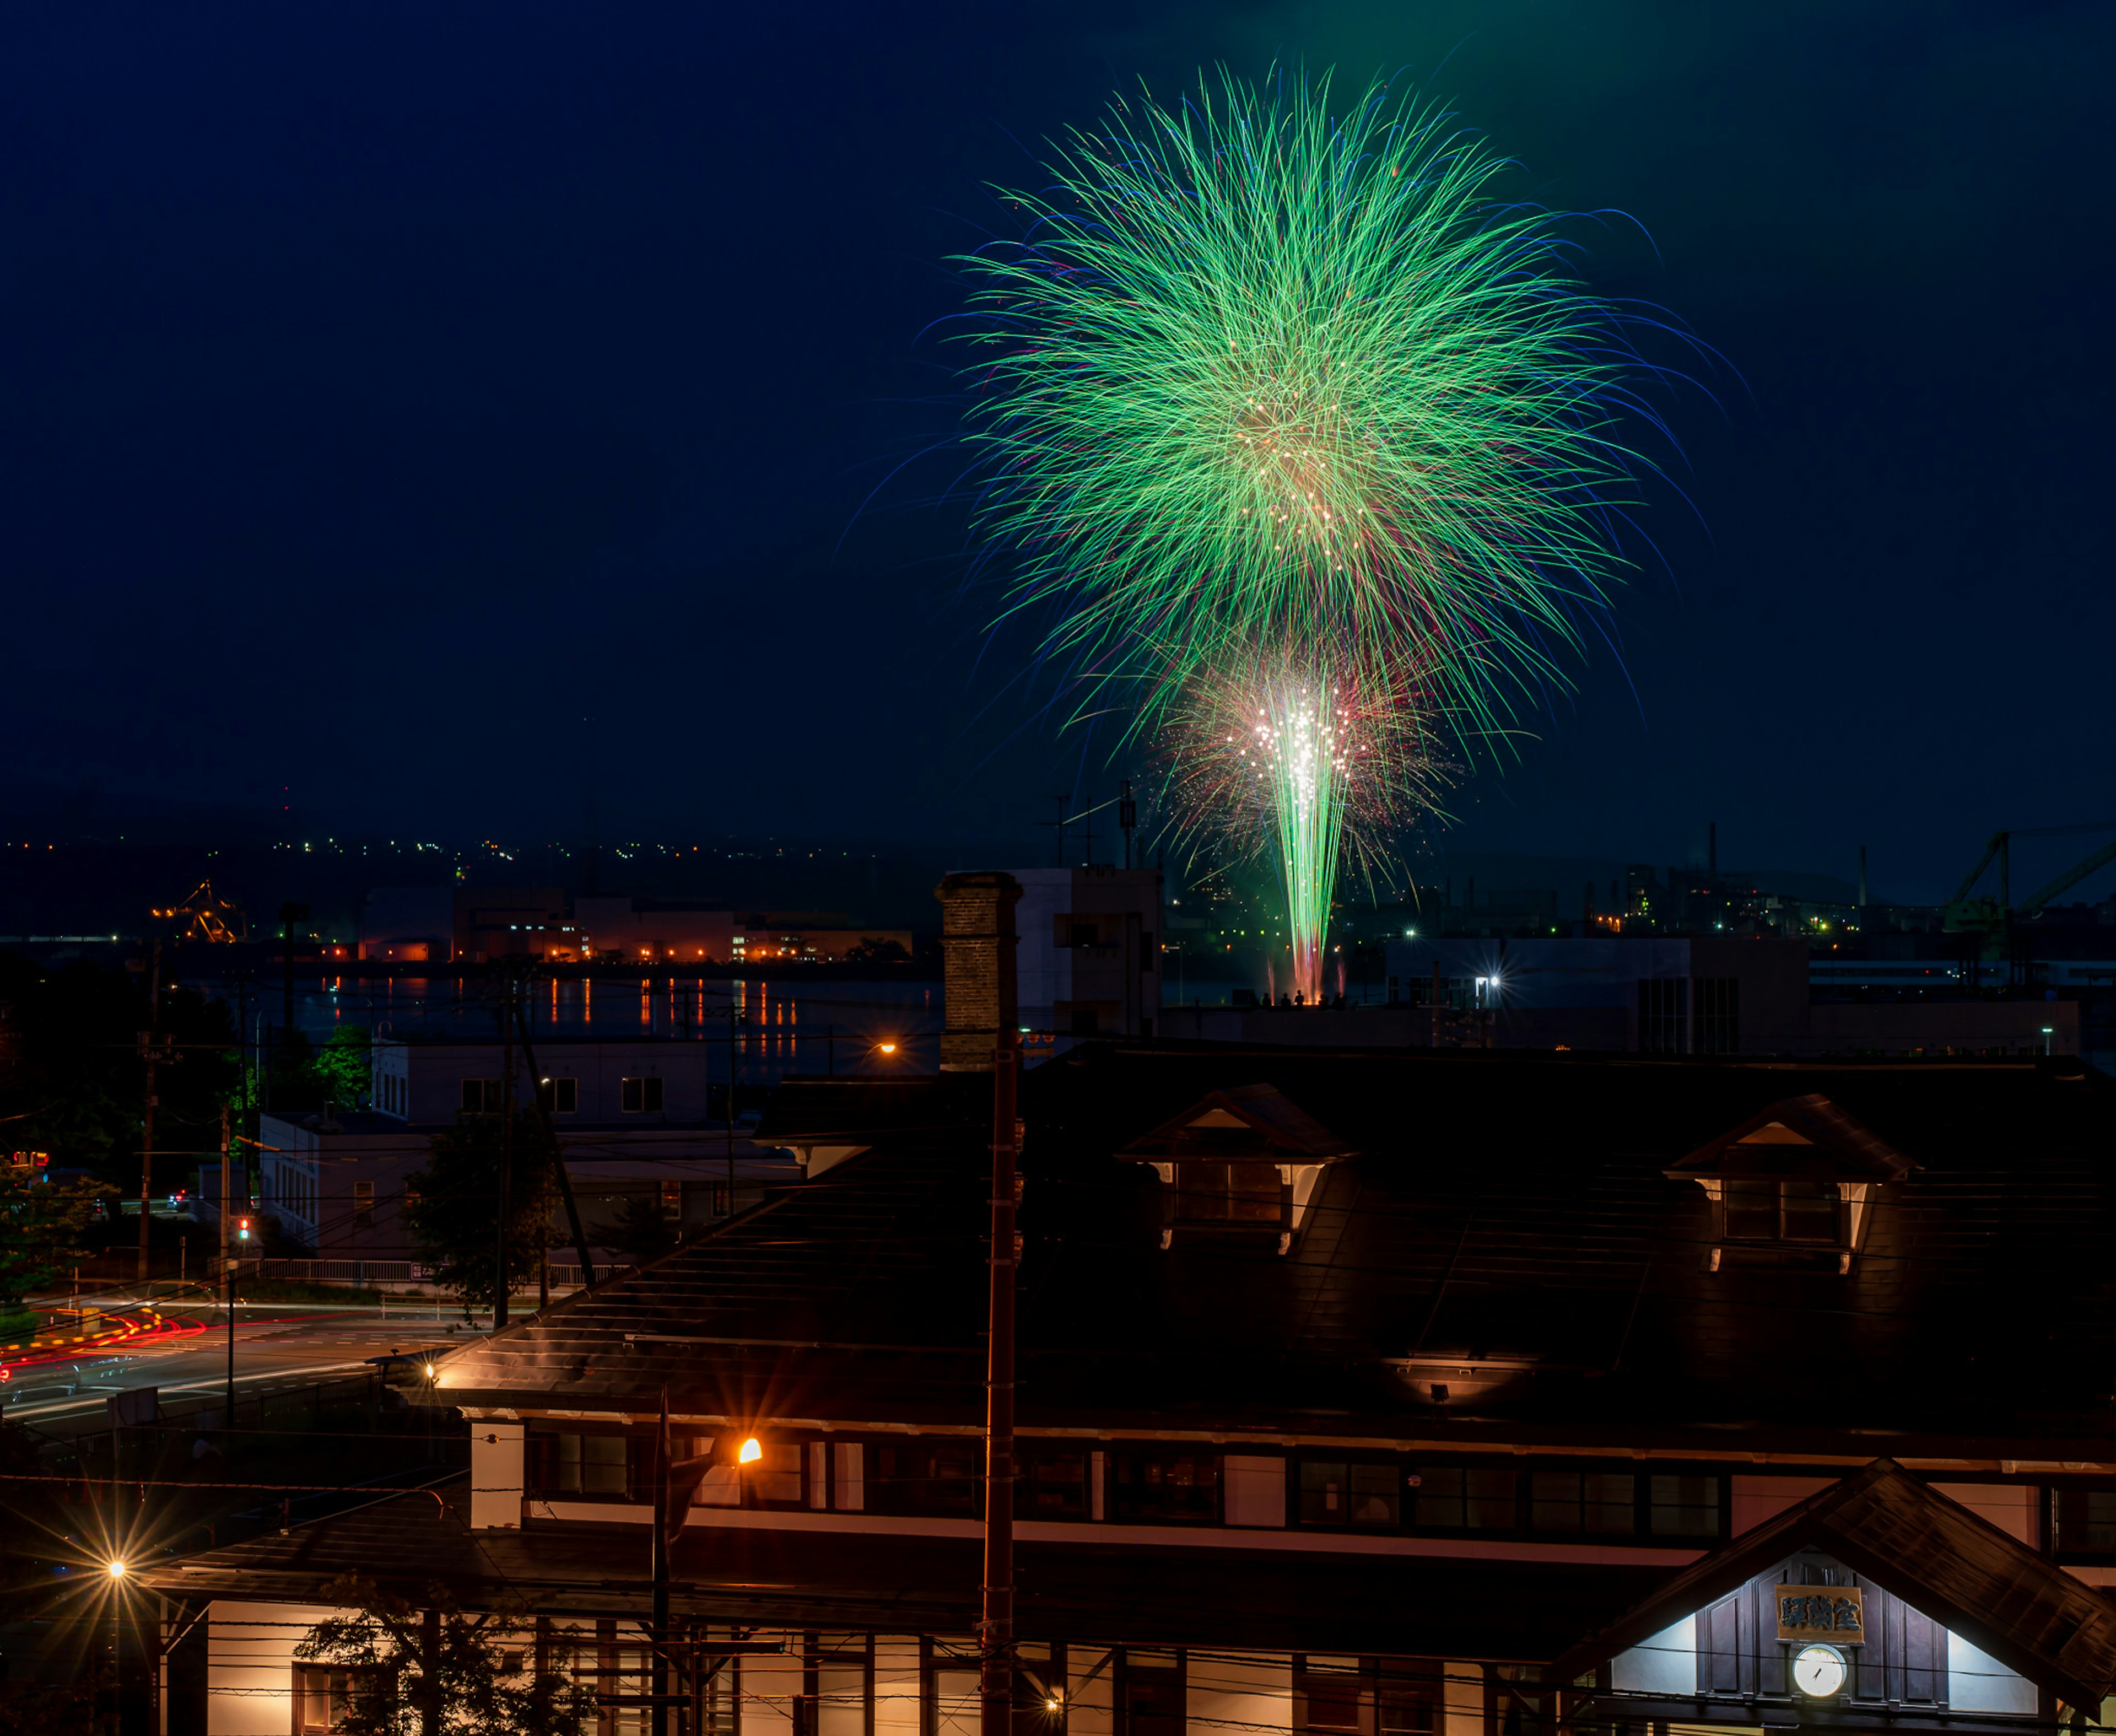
{"x":1819,"y":1671}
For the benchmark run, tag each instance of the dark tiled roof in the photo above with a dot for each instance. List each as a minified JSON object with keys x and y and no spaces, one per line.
{"x":1249,"y":1121}
{"x":1944,"y":1560}
{"x":1503,"y":1208}
{"x":1814,"y":1138}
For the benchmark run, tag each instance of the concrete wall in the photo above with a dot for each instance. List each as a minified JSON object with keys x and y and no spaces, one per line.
{"x":619,"y":925}
{"x":434,"y":1073}
{"x":1942,"y":1027}
{"x":1118,"y":977}
{"x":1222,"y":1691}
{"x":1978,"y":1682}
{"x":409,"y":924}
{"x":1666,"y":1663}
{"x":249,"y":1665}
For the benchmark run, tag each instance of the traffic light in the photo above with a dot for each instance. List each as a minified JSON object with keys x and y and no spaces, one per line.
{"x":242,"y":1229}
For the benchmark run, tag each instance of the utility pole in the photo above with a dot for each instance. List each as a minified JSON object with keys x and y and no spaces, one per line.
{"x":558,"y":1161}
{"x":657,"y":1715}
{"x":996,"y":1630}
{"x":226,"y":1182}
{"x":289,"y":915}
{"x":730,"y":1102}
{"x":506,"y":1150}
{"x":1127,"y":818}
{"x":150,"y":1051}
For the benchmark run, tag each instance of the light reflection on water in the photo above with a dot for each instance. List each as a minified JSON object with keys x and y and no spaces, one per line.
{"x":778,"y":1027}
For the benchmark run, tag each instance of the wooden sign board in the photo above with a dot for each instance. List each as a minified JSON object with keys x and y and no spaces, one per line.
{"x":1833,"y":1613}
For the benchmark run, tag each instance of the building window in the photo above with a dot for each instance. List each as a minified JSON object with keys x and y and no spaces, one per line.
{"x":1178,"y":1488}
{"x":1408,"y":1698}
{"x":1335,"y":1493}
{"x":840,"y":1683}
{"x":928,"y":1480}
{"x":1664,"y":1016}
{"x":1683,"y":1507}
{"x":1718,"y":1003}
{"x":1597,"y":1502}
{"x":363,"y":1205}
{"x":641,"y":1097}
{"x":321,"y":1701}
{"x":849,"y":1476}
{"x":1150,"y":1695}
{"x":481,"y":1096}
{"x":1329,"y":1693}
{"x":1780,"y":1211}
{"x":1454,"y":1499}
{"x":1229,"y":1193}
{"x":672,"y":1197}
{"x":776,"y":1479}
{"x":561,"y":1096}
{"x":1052,"y":1485}
{"x":599,"y":1465}
{"x":2086,"y":1521}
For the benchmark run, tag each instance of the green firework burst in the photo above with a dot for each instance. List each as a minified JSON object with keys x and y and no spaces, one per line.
{"x":1260,"y":375}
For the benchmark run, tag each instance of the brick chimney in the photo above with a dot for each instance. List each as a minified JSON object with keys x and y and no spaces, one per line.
{"x":977,"y":967}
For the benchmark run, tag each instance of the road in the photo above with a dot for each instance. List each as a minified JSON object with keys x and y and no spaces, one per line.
{"x":181,"y":1349}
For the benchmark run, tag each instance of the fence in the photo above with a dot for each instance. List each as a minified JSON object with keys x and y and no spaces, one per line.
{"x":379,"y":1274}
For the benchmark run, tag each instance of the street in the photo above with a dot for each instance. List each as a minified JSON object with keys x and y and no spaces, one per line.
{"x":181,"y":1349}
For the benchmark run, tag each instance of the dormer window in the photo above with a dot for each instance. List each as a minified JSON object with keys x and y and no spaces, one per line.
{"x":1797,"y":1181}
{"x":1782,"y":1211}
{"x":1245,"y":1162}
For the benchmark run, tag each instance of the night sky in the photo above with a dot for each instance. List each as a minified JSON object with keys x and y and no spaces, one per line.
{"x":452,"y":413}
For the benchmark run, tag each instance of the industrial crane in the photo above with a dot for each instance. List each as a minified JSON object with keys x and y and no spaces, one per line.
{"x":216,"y":920}
{"x":1994,"y":917}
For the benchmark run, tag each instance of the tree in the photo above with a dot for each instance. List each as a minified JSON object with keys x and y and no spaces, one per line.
{"x":344,"y":1066}
{"x":641,"y":1229}
{"x":877,"y":949}
{"x":70,"y":1077}
{"x":430,"y":1669}
{"x":454,"y":1218}
{"x":40,"y":1221}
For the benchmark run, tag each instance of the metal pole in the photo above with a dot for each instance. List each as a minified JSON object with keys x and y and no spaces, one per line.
{"x":228,"y":1419}
{"x":558,"y":1160}
{"x":499,"y":1250}
{"x":730,"y":1102}
{"x":995,"y":1631}
{"x":150,"y":1047}
{"x":657,"y":1722}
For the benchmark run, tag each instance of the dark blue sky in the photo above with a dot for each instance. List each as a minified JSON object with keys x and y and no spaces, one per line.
{"x":452,"y":412}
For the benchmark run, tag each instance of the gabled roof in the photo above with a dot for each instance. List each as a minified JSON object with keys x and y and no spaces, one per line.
{"x":866,"y":1108}
{"x":1255,"y":1120}
{"x":1936,"y":1554}
{"x":1807,"y":1137}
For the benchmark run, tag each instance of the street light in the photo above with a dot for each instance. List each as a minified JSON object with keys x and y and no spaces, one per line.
{"x":750,"y":1452}
{"x":115,"y":1568}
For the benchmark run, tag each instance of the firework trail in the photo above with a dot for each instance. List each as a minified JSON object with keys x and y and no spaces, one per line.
{"x":1298,"y":755}
{"x":1257,"y":375}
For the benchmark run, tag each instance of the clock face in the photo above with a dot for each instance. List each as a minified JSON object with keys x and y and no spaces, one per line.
{"x":1819,"y":1671}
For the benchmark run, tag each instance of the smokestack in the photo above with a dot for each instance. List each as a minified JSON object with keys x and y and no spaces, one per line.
{"x":1712,"y":848}
{"x":978,"y":987}
{"x":1862,"y":876}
